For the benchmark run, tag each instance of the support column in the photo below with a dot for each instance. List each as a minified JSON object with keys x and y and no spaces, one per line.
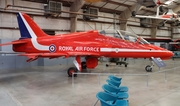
{"x":154,"y":28}
{"x":75,"y":7}
{"x":175,"y":10}
{"x":126,"y":15}
{"x":123,"y":25}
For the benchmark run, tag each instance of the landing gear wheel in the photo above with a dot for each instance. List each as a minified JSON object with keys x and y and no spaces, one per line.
{"x":117,"y":63}
{"x":148,"y":68}
{"x":134,"y":13}
{"x":71,"y":70}
{"x":107,"y":65}
{"x":161,"y":9}
{"x":125,"y":65}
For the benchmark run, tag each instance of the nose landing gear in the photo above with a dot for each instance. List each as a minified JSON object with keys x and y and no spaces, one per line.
{"x":148,"y":68}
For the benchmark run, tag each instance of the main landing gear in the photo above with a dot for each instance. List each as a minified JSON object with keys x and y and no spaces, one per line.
{"x":148,"y":68}
{"x":91,"y":62}
{"x":72,"y":70}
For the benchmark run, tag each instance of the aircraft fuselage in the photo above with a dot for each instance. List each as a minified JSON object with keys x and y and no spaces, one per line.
{"x":91,"y":42}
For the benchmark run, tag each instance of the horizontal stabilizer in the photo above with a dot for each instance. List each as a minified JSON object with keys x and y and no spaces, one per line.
{"x":14,"y":42}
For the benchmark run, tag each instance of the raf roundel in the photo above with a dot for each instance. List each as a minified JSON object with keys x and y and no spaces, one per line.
{"x":52,"y":48}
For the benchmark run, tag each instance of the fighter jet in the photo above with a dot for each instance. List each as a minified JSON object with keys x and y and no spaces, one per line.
{"x":34,"y":43}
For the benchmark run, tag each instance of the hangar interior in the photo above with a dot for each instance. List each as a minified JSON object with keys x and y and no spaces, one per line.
{"x":44,"y":82}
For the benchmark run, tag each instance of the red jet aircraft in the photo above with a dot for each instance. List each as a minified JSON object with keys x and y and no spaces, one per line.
{"x":34,"y":44}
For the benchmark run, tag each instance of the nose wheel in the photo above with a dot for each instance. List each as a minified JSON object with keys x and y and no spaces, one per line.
{"x":148,"y":68}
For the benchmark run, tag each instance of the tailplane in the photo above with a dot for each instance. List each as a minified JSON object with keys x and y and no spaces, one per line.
{"x":28,"y":28}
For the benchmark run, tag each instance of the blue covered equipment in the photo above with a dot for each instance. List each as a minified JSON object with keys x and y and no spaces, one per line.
{"x":120,"y":93}
{"x":114,"y":78}
{"x":110,"y":100}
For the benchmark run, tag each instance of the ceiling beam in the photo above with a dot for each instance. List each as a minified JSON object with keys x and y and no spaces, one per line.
{"x":117,"y":3}
{"x":176,"y":9}
{"x":125,"y":15}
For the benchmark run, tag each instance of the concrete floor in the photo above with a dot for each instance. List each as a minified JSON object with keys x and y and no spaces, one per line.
{"x":50,"y":86}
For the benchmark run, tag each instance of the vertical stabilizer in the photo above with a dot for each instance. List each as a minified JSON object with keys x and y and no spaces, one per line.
{"x":28,"y":28}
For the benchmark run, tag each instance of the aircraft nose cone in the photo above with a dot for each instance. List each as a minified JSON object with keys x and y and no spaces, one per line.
{"x":167,"y":55}
{"x":171,"y":53}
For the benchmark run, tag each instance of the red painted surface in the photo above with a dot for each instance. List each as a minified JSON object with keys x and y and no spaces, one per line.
{"x":90,"y":44}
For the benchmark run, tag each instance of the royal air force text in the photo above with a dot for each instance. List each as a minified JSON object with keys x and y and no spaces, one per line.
{"x":79,"y":49}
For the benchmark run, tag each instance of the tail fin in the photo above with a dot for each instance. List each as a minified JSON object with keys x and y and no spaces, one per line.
{"x":28,"y":28}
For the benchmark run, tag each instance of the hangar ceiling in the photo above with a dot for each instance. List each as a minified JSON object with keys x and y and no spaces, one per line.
{"x":108,"y":6}
{"x":123,"y":8}
{"x":115,"y":6}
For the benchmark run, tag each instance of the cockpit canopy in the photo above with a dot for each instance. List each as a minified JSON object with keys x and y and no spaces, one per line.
{"x":124,"y":35}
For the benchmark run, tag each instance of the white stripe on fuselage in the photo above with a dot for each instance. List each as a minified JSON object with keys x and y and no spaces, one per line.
{"x":127,"y":50}
{"x":34,"y":37}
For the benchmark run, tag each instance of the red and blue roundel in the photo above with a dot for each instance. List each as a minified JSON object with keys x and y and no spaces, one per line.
{"x":52,"y":48}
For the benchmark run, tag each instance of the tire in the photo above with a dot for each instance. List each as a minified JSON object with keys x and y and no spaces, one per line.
{"x":107,"y":65}
{"x":161,"y":9}
{"x":148,"y":68}
{"x":117,"y":63}
{"x":71,"y":70}
{"x":125,"y":65}
{"x":134,"y":13}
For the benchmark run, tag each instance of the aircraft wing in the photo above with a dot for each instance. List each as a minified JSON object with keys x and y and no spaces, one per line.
{"x":83,"y":54}
{"x":34,"y":56}
{"x":153,"y":17}
{"x":30,"y":55}
{"x":68,"y":54}
{"x":14,"y":42}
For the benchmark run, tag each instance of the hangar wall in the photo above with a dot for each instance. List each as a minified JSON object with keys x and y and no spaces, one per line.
{"x":9,"y":31}
{"x":63,"y":25}
{"x":176,"y":33}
